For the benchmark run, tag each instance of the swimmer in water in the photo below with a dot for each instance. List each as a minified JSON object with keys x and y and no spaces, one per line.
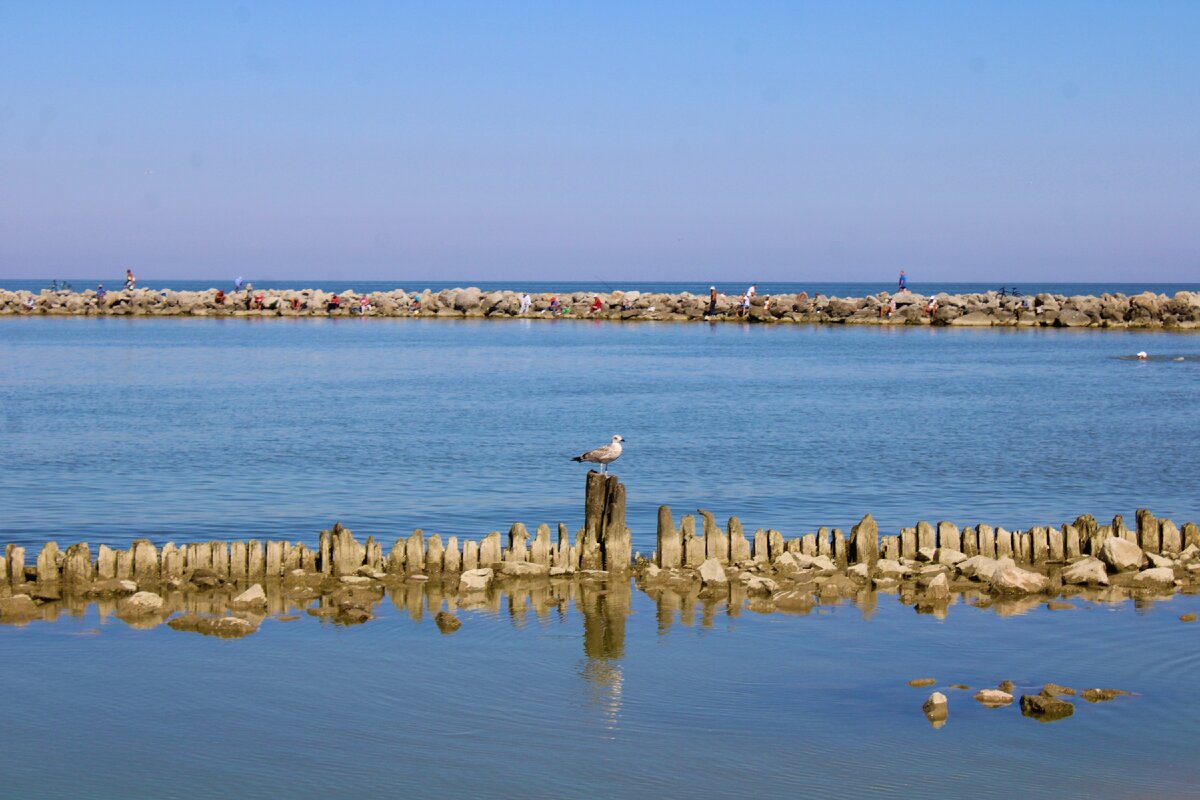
{"x":1142,"y":356}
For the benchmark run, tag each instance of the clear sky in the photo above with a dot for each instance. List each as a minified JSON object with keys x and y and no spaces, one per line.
{"x":659,"y":141}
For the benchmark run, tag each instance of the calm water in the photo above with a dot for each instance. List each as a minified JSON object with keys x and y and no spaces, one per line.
{"x":116,"y":428}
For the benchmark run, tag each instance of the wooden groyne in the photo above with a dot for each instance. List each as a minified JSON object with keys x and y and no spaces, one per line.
{"x":927,"y":565}
{"x":1180,"y":311}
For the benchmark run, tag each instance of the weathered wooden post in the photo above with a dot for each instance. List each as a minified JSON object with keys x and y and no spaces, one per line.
{"x":414,"y":552}
{"x":669,"y":549}
{"x":739,"y":548}
{"x":1148,"y":531}
{"x":949,"y":536}
{"x":595,"y":490}
{"x":715,"y":544}
{"x":693,"y":545}
{"x":864,"y":539}
{"x":926,"y":536}
{"x":48,"y":562}
{"x":615,"y":540}
{"x":435,"y":554}
{"x":539,"y":551}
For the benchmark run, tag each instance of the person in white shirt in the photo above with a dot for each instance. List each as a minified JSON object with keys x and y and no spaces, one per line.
{"x":525,"y":301}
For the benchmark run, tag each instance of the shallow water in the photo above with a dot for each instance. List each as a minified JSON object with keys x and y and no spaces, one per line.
{"x":199,"y":429}
{"x":193,"y":429}
{"x":603,"y":695}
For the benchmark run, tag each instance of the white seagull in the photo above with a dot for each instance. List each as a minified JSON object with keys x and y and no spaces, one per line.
{"x":603,"y":455}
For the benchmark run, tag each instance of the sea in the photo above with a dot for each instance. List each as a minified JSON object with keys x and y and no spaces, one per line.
{"x":183,"y":430}
{"x":813,"y":288}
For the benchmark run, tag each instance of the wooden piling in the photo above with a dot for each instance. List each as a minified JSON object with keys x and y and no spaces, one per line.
{"x":256,"y":561}
{"x":949,"y":536}
{"x":435,"y":554}
{"x":1148,"y":531}
{"x":273,"y":569}
{"x":926,"y":536}
{"x":669,"y":545}
{"x":762,"y":556}
{"x":864,"y":541}
{"x":970,"y":542}
{"x":452,"y":559}
{"x":616,"y":541}
{"x":1171,"y":540}
{"x":518,"y":536}
{"x":239,"y":561}
{"x":106,"y":562}
{"x":77,"y":564}
{"x":739,"y":547}
{"x":414,"y":552}
{"x":908,"y":543}
{"x":373,"y":556}
{"x":715,"y":544}
{"x":693,"y":545}
{"x":841,"y":549}
{"x":470,"y":556}
{"x":539,"y":551}
{"x":171,"y":561}
{"x":48,"y":561}
{"x":489,"y":550}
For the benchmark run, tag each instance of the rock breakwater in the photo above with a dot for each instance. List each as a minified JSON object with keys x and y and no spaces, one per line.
{"x":1180,"y":311}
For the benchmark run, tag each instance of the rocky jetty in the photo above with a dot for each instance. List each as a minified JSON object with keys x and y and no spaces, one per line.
{"x":929,"y":567}
{"x":1180,"y":311}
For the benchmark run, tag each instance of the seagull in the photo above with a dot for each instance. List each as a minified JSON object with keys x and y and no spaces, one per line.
{"x":603,"y":455}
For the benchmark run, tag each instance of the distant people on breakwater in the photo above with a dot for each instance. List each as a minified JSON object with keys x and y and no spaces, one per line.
{"x":237,"y":284}
{"x":334,"y":303}
{"x":903,"y":285}
{"x":712,"y":302}
{"x":364,"y":305}
{"x":596,"y":305}
{"x":101,"y":291}
{"x":555,"y":306}
{"x":220,"y":297}
{"x":526,"y":300}
{"x":129,"y":279}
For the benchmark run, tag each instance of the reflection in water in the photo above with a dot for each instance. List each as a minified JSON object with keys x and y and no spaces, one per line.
{"x":604,"y":606}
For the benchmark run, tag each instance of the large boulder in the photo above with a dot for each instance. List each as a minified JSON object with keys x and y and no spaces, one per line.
{"x":475,"y":580}
{"x":711,"y":572}
{"x":1086,"y":572}
{"x":17,"y":607}
{"x":975,"y":319}
{"x":1014,"y":580}
{"x":1121,"y":555}
{"x":1156,"y":578}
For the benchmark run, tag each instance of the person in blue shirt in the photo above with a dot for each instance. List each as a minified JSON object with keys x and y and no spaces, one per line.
{"x":237,"y":285}
{"x":903,"y":281}
{"x":101,"y":291}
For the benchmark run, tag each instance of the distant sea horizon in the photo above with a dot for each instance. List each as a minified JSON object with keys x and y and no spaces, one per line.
{"x":828,"y":288}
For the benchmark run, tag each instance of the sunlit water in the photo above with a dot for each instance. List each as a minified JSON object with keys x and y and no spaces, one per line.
{"x":190,"y":429}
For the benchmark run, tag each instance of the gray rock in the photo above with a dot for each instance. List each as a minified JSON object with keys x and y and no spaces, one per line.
{"x":1121,"y":555}
{"x":1014,"y":580}
{"x":254,"y":597}
{"x":475,"y":580}
{"x":1086,"y":571}
{"x":141,"y":604}
{"x":1157,"y":577}
{"x":711,"y":572}
{"x":1045,"y":709}
{"x":523,"y":569}
{"x":993,"y":698}
{"x":949,"y":557}
{"x":447,"y":622}
{"x":17,"y":607}
{"x":936,"y":708}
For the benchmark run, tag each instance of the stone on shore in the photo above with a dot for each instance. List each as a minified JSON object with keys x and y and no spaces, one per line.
{"x":1087,"y":571}
{"x":1121,"y":554}
{"x":993,"y":698}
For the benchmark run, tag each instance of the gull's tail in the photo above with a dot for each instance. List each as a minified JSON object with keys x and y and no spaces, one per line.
{"x":577,"y":458}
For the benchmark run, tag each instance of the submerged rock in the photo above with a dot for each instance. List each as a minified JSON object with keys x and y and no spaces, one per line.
{"x":1101,"y":695}
{"x":475,"y":580}
{"x":254,"y":597}
{"x":141,"y":604}
{"x":17,"y":607}
{"x":936,"y":708}
{"x":711,"y":572}
{"x":1045,"y":709}
{"x":447,"y":622}
{"x":222,"y":627}
{"x":919,"y":682}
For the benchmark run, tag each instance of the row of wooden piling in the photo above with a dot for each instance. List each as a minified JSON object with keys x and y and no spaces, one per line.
{"x":683,"y":546}
{"x":602,"y":544}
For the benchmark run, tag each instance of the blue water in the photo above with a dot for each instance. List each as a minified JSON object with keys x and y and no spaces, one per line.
{"x":113,"y":428}
{"x":813,"y":288}
{"x":198,"y":428}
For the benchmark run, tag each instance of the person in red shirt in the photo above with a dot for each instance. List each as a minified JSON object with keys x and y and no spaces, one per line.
{"x":596,"y":305}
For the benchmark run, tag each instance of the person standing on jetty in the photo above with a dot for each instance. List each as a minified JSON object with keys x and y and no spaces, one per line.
{"x":525,"y":301}
{"x":237,"y":284}
{"x":903,"y":286}
{"x":129,"y":279}
{"x":712,"y":302}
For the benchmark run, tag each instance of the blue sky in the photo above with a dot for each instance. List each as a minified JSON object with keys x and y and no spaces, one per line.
{"x":660,"y":141}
